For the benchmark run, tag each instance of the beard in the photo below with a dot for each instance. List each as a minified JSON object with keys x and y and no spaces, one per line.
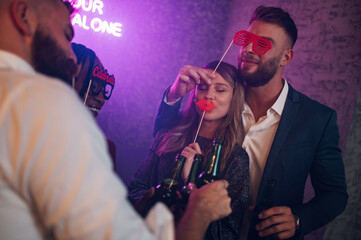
{"x":50,"y":59}
{"x":263,"y":75}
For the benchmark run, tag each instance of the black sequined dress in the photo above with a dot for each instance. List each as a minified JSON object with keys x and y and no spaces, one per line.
{"x":236,"y":171}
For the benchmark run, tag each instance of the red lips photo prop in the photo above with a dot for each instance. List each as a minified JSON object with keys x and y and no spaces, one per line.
{"x":205,"y":105}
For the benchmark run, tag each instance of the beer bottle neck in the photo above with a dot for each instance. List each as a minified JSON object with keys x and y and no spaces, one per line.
{"x":176,"y":171}
{"x":198,"y":159}
{"x":213,"y":166}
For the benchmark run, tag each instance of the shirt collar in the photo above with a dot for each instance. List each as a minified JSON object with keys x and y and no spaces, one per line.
{"x":277,"y":106}
{"x":9,"y":60}
{"x":281,"y":100}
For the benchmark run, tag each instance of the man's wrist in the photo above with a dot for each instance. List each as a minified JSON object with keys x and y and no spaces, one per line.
{"x":191,"y":225}
{"x":169,"y":99}
{"x":171,"y":96}
{"x":297,"y":224}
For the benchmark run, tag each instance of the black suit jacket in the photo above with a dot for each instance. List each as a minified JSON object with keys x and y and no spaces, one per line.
{"x":306,"y":142}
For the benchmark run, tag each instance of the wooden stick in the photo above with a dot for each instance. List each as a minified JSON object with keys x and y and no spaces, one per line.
{"x":73,"y":82}
{"x":87,"y":91}
{"x":199,"y":126}
{"x":223,"y":56}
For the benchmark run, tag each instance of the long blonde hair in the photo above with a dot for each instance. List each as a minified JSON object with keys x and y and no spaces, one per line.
{"x":230,"y":130}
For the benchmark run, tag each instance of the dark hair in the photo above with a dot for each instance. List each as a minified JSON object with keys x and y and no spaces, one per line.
{"x":226,"y":70}
{"x":69,"y":6}
{"x":277,"y":16}
{"x":83,"y":53}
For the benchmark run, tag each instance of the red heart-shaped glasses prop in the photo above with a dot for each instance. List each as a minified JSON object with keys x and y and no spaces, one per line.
{"x":260,"y":45}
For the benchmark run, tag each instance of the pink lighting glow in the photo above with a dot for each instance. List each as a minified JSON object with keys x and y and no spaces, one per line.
{"x":85,"y":20}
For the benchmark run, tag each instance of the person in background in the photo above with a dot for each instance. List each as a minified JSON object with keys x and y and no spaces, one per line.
{"x":55,"y":172}
{"x":226,"y":93}
{"x":94,"y":85}
{"x":288,"y":135}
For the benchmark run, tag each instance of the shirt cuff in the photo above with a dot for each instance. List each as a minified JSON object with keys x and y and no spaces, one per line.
{"x":160,"y":222}
{"x":166,"y":101}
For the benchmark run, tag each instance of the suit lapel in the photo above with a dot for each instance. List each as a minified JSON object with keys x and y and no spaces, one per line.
{"x":287,"y":119}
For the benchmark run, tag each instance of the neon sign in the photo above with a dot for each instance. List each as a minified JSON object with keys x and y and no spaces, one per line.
{"x":97,"y":24}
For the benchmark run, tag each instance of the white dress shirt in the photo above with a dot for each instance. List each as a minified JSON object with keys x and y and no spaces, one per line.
{"x":55,"y":172}
{"x":259,"y":138}
{"x":257,"y":143}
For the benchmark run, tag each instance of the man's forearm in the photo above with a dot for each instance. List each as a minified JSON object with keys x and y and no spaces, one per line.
{"x":192,"y":226}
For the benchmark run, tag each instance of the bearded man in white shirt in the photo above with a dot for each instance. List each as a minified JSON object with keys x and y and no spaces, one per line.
{"x":55,"y":173}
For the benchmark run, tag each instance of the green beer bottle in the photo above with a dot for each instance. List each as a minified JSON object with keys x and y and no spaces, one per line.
{"x":166,"y":192}
{"x":265,"y":203}
{"x":194,"y":172}
{"x":212,"y":168}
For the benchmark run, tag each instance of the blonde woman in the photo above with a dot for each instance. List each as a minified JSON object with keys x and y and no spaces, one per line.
{"x":223,"y":122}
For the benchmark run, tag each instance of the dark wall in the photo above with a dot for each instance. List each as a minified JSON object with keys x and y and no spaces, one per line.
{"x":159,"y":37}
{"x":348,"y":224}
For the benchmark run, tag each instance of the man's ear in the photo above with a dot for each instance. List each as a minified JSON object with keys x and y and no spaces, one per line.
{"x":23,"y":17}
{"x":287,"y":57}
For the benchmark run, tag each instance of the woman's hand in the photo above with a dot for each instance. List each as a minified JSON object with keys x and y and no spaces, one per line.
{"x":189,"y":152}
{"x":187,"y":79}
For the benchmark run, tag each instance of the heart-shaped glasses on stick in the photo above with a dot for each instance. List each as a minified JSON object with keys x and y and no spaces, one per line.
{"x":260,"y":45}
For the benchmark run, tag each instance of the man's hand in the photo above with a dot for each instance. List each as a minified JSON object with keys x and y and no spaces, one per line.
{"x":142,"y":204}
{"x":211,"y":201}
{"x":207,"y":204}
{"x":187,"y":80}
{"x":279,"y":222}
{"x":189,"y":152}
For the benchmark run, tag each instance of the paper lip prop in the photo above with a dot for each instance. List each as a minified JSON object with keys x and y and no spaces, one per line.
{"x":206,"y":105}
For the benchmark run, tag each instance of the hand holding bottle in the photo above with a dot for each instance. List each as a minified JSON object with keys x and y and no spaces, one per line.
{"x":142,"y":205}
{"x":211,"y":200}
{"x":272,"y":222}
{"x":189,"y":152}
{"x":206,"y":204}
{"x":278,"y":222}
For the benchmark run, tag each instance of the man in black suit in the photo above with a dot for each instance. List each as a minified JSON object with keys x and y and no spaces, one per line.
{"x":288,"y":135}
